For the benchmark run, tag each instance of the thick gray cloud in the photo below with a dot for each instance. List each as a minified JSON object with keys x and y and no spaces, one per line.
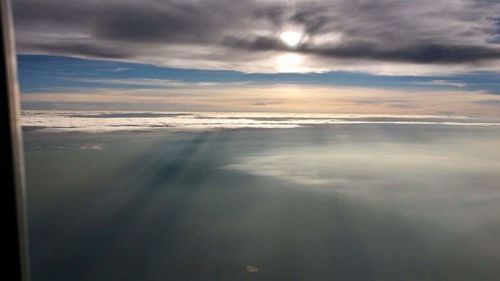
{"x":386,"y":36}
{"x":432,"y":53}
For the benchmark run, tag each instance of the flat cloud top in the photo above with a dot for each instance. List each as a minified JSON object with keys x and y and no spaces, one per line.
{"x":382,"y":37}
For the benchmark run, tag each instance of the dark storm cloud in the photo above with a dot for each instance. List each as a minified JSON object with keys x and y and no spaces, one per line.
{"x":313,"y":18}
{"x":81,"y":49}
{"x":134,"y":22}
{"x":258,"y":43}
{"x":274,"y":14}
{"x":233,"y":34}
{"x":417,"y":54}
{"x":169,"y":23}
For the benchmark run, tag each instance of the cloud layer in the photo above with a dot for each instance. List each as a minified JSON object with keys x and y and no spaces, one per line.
{"x":109,"y":121}
{"x":384,"y":36}
{"x":273,"y":98}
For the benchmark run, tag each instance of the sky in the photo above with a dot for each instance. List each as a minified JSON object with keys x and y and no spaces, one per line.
{"x":338,"y":56}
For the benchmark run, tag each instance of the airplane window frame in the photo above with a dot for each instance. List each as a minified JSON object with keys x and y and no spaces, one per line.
{"x":11,"y":156}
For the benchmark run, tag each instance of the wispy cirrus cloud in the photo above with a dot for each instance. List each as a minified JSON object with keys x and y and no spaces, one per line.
{"x":147,"y":83}
{"x":120,"y":69}
{"x":449,"y":83}
{"x":445,"y":83}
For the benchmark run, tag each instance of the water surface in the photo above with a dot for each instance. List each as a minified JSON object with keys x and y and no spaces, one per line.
{"x":325,"y":202}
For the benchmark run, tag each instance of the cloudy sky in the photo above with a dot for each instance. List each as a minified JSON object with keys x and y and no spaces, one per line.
{"x":400,"y":56}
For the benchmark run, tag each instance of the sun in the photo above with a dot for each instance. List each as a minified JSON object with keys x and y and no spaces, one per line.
{"x":291,"y":38}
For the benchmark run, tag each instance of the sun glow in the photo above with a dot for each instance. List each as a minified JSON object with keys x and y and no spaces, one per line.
{"x":289,"y":62}
{"x":291,"y":38}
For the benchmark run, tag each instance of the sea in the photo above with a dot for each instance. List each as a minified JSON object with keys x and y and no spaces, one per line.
{"x":192,"y":196}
